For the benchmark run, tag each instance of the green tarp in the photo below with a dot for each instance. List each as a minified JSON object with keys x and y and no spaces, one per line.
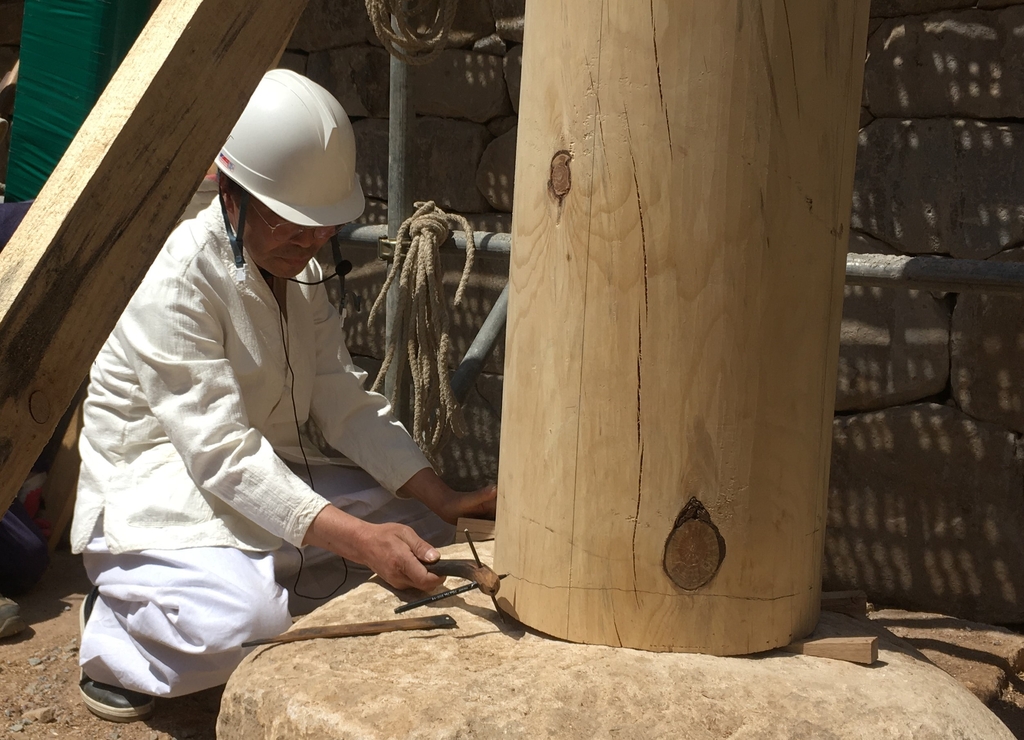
{"x":69,"y":51}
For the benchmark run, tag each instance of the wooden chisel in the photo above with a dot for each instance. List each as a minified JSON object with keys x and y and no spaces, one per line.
{"x":438,"y":621}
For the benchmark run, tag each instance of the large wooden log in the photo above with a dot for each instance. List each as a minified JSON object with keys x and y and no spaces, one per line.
{"x":103,"y":214}
{"x":683,"y":187}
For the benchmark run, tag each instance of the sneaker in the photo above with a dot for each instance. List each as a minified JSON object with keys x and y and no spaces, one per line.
{"x":11,"y":622}
{"x":106,"y":701}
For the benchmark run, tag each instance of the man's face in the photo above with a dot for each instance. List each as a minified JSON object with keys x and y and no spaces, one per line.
{"x":280,"y":247}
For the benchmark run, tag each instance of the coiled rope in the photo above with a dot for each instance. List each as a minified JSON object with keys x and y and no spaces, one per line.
{"x":405,"y":42}
{"x":422,"y":319}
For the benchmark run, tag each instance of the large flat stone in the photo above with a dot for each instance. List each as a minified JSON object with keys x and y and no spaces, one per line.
{"x":328,"y":24}
{"x":925,"y":511}
{"x":443,"y":159}
{"x":940,"y":186}
{"x":982,"y":657}
{"x":356,"y":75}
{"x":987,"y":353}
{"x":461,"y":84}
{"x":488,"y":680}
{"x":508,"y":18}
{"x":893,"y":343}
{"x":967,"y":63}
{"x":495,"y":177}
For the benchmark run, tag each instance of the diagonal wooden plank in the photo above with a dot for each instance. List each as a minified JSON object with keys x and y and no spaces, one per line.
{"x":99,"y":221}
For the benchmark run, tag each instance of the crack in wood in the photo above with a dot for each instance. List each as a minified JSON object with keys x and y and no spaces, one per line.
{"x":657,"y":67}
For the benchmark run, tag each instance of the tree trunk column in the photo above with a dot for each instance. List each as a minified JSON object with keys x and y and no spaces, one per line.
{"x":683,"y":186}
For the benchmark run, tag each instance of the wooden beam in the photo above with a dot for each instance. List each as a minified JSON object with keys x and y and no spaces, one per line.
{"x":854,"y":603}
{"x":481,"y":530}
{"x":852,"y":649}
{"x":102,"y":216}
{"x":683,"y":184}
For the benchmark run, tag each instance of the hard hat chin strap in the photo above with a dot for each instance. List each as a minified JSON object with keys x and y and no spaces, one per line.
{"x":235,"y":238}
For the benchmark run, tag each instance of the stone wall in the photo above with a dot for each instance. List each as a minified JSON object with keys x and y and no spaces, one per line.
{"x":926,"y":501}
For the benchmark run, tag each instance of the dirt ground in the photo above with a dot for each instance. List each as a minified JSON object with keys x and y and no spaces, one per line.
{"x":39,"y":677}
{"x":39,"y":674}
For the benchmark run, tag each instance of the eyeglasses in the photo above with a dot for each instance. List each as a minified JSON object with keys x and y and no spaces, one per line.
{"x":286,"y":230}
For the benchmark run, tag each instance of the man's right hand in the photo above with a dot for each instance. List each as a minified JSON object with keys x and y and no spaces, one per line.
{"x":393,"y":551}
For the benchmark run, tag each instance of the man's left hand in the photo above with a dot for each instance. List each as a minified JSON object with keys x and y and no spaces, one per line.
{"x":447,"y":503}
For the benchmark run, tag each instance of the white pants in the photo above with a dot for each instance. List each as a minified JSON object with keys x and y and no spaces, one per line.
{"x":171,"y":622}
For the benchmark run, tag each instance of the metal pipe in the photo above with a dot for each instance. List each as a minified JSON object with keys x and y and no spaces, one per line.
{"x":935,"y":273}
{"x":483,"y":344}
{"x":399,"y":136}
{"x":486,"y":241}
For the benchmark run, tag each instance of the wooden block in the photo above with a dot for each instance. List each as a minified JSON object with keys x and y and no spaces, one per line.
{"x":481,"y":530}
{"x":853,"y":649}
{"x":854,"y":603}
{"x":105,"y":211}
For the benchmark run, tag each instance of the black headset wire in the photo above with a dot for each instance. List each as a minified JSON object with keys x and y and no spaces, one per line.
{"x":341,"y":269}
{"x":305,"y":461}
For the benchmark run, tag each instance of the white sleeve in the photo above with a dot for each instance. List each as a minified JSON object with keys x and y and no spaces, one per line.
{"x":173,"y":337}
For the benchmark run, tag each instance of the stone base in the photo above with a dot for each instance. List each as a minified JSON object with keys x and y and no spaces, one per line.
{"x":486,"y":680}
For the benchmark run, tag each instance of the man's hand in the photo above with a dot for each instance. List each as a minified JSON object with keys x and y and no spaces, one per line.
{"x":393,"y":551}
{"x":448,"y":503}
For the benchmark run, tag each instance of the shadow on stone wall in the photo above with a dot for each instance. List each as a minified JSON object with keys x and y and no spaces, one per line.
{"x":925,"y":511}
{"x":472,"y":461}
{"x":932,"y":177}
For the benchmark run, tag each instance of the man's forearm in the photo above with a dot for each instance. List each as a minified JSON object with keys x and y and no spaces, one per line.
{"x":334,"y":530}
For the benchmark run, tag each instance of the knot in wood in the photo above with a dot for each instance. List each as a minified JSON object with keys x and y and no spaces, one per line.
{"x":695,"y":549}
{"x":39,"y":407}
{"x":560,"y":182}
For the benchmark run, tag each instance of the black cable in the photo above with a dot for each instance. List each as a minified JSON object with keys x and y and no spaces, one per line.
{"x":309,"y":472}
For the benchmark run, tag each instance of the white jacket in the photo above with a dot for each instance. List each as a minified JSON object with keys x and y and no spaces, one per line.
{"x":189,"y":409}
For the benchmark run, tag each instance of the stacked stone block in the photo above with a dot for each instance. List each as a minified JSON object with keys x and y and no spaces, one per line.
{"x":926,"y":498}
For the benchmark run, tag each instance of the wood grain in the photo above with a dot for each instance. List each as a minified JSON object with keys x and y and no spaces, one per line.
{"x":99,"y":221}
{"x":674,"y":313}
{"x":852,"y":649}
{"x":481,"y":530}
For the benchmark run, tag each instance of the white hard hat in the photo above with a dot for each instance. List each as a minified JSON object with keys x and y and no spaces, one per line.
{"x":293,"y":148}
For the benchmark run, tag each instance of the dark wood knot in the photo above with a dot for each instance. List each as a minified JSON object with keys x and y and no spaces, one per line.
{"x":560,"y":182}
{"x":695,"y":548}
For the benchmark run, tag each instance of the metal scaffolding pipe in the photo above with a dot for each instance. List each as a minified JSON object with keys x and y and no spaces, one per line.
{"x":935,"y":273}
{"x":480,"y":349}
{"x":399,"y":135}
{"x":486,"y":241}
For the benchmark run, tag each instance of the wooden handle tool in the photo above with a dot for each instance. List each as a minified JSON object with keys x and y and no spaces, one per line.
{"x":438,"y":621}
{"x":486,"y":578}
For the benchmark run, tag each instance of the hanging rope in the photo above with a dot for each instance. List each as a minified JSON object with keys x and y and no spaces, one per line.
{"x":405,"y":42}
{"x":422,"y":320}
